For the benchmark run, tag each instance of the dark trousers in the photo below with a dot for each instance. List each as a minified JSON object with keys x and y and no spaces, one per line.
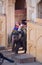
{"x":17,"y":45}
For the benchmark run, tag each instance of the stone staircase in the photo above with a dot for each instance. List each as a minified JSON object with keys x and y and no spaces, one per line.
{"x":24,"y":58}
{"x":20,"y":59}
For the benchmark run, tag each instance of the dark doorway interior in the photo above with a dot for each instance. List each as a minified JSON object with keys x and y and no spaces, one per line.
{"x":20,"y":4}
{"x":40,"y":9}
{"x":20,"y":10}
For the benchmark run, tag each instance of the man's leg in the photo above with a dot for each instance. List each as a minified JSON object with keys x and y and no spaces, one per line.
{"x":17,"y":47}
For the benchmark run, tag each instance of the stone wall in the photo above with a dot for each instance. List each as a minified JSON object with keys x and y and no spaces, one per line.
{"x":34,"y":40}
{"x":32,"y":9}
{"x":3,"y":31}
{"x":20,"y":15}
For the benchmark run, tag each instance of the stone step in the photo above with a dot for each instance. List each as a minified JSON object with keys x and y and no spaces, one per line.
{"x":2,"y":48}
{"x":34,"y":63}
{"x":24,"y":58}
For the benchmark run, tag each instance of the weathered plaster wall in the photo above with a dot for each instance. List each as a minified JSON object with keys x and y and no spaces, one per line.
{"x":10,"y":14}
{"x":34,"y":40}
{"x":32,"y":9}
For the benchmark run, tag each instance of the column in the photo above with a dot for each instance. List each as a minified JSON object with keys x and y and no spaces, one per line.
{"x":28,"y":12}
{"x":28,"y":18}
{"x":10,"y":16}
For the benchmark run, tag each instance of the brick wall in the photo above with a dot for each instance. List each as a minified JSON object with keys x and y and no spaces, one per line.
{"x":19,"y":15}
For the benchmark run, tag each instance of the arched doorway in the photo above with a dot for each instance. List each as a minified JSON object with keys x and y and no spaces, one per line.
{"x":40,"y":9}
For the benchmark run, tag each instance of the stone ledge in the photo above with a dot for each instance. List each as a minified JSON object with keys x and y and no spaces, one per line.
{"x":2,"y":48}
{"x":25,"y":58}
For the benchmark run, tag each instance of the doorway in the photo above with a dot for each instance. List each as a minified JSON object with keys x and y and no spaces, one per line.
{"x":20,"y":11}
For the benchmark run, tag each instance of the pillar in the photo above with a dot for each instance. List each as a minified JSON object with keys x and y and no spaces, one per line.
{"x":28,"y":12}
{"x":10,"y":16}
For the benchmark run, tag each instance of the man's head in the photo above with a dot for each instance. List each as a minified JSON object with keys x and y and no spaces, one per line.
{"x":24,"y":22}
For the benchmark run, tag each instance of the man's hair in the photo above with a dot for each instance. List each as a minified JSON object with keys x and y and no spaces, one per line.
{"x":23,"y":22}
